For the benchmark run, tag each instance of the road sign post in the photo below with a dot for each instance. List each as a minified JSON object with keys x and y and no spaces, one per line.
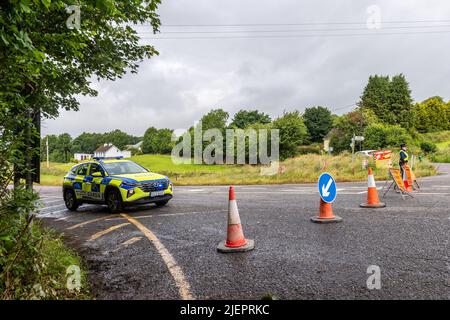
{"x":327,"y":191}
{"x":327,"y":188}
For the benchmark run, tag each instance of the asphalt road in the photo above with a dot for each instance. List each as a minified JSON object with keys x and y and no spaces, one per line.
{"x":170,"y":252}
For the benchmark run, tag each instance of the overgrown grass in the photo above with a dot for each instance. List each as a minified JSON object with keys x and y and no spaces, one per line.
{"x":442,"y":141}
{"x":302,"y":169}
{"x":34,"y":261}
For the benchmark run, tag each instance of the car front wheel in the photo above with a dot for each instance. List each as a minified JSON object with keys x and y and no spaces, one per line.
{"x":114,"y":201}
{"x":70,"y":200}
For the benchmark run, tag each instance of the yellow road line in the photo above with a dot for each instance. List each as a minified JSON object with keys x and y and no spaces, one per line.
{"x":130,"y":241}
{"x":90,"y":221}
{"x":184,"y":288}
{"x":106,"y":231}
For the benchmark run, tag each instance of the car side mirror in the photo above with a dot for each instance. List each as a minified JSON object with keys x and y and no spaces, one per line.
{"x":97,"y":174}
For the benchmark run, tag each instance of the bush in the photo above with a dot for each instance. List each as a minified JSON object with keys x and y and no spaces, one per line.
{"x":310,"y":149}
{"x":293,"y":133}
{"x":442,"y":155}
{"x":428,"y":147}
{"x":379,"y":136}
{"x":33,"y":261}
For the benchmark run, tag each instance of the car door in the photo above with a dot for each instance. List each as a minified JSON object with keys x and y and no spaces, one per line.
{"x":78,"y":184}
{"x":93,"y":184}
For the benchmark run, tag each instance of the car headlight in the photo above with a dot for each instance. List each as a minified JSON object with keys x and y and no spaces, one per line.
{"x":130,"y":193}
{"x":129,"y":184}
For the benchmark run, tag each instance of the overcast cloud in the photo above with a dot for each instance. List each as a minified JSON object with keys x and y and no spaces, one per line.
{"x":190,"y":77}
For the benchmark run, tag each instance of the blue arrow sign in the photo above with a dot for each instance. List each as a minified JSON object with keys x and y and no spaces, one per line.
{"x":327,"y":187}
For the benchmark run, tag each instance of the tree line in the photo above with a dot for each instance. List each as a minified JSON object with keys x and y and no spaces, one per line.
{"x":385,"y":115}
{"x":62,"y":147}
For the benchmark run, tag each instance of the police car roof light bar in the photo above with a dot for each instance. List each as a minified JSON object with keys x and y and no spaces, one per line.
{"x":106,"y":158}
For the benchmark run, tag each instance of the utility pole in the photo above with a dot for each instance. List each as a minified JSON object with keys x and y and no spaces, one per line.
{"x":353,"y":148}
{"x":48,"y":164}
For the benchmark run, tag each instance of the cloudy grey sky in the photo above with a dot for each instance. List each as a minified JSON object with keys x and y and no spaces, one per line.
{"x":269,"y":71}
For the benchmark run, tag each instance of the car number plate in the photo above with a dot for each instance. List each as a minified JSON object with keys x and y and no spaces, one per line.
{"x":156,"y":194}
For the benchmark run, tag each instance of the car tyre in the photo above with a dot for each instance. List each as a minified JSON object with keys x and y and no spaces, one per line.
{"x":114,"y":201}
{"x":70,"y":200}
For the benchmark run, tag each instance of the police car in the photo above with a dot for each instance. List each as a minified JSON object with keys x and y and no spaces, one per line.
{"x":115,"y":182}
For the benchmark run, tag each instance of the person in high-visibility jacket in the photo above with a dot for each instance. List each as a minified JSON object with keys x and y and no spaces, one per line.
{"x":403,"y":160}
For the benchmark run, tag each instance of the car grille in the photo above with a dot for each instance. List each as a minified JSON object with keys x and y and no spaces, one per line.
{"x":154,"y":185}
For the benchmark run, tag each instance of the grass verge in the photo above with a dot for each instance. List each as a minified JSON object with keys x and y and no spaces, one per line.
{"x":302,"y":169}
{"x":35,"y":264}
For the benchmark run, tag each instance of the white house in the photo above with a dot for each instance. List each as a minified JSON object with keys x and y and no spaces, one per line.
{"x":108,"y":150}
{"x":82,"y":156}
{"x":137,"y":146}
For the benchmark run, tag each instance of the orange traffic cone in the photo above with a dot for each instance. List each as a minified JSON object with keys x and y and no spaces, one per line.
{"x":236,"y":241}
{"x":372,"y":194}
{"x":325,"y":214}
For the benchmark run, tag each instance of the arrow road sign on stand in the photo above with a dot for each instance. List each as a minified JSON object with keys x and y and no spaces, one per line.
{"x":327,"y":187}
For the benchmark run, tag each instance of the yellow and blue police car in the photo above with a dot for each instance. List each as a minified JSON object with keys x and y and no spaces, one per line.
{"x":115,"y":182}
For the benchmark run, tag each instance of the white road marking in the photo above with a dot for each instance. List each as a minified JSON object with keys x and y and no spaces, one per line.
{"x":55,"y":206}
{"x":184,"y":288}
{"x":53,"y":201}
{"x":431,"y":193}
{"x":50,"y":197}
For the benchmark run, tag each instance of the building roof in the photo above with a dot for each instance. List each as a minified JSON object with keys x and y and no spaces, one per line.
{"x":105,"y":147}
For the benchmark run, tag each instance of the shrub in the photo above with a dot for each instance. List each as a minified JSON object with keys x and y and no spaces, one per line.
{"x":310,"y":149}
{"x":428,"y":147}
{"x":293,"y":133}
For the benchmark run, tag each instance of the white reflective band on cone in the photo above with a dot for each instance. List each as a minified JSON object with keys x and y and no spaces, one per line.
{"x":233,"y":213}
{"x":371,"y":182}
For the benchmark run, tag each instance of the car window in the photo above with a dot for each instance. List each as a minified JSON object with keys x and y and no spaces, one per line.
{"x":95,"y":168}
{"x":74,"y":170}
{"x":126,"y":167}
{"x":82,"y":170}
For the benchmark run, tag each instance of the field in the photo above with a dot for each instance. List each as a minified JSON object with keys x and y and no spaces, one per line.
{"x":302,"y":169}
{"x":442,"y":141}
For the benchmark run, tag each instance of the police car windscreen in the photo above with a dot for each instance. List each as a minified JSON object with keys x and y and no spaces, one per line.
{"x":128,"y":167}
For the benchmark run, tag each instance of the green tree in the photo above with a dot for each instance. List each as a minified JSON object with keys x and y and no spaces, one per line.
{"x":44,"y":65}
{"x":87,"y":142}
{"x":149,"y":144}
{"x":215,"y":119}
{"x":59,"y":147}
{"x":244,"y":118}
{"x":375,"y":95}
{"x":164,"y":141}
{"x":348,"y":125}
{"x":119,"y":138}
{"x":319,"y":122}
{"x":389,"y":99}
{"x":293,"y":133}
{"x":431,"y":115}
{"x":400,"y":103}
{"x":379,"y":136}
{"x":375,"y":136}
